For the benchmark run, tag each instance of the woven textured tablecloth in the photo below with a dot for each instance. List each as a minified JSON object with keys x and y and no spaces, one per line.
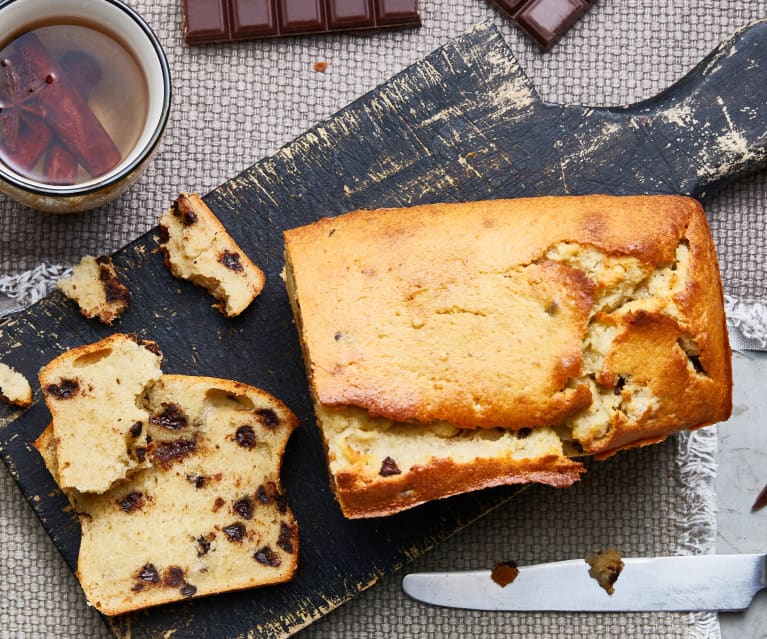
{"x":234,"y":104}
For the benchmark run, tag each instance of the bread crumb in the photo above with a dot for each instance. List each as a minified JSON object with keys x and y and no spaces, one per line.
{"x":96,"y":289}
{"x":14,"y":387}
{"x":504,"y":572}
{"x":320,"y":66}
{"x":605,"y":567}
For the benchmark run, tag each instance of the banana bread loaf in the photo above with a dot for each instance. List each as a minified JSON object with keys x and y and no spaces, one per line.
{"x":451,"y":347}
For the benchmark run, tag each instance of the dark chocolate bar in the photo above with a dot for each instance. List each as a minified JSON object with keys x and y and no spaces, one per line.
{"x":546,"y":21}
{"x":231,"y":20}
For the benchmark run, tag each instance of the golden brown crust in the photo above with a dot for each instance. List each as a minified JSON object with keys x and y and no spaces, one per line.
{"x":595,"y":320}
{"x":444,"y":478}
{"x":463,"y":285}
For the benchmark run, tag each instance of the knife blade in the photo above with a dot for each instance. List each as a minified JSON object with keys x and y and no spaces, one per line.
{"x":679,"y":583}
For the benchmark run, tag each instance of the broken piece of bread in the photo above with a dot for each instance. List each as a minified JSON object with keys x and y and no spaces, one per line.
{"x":452,"y":347}
{"x":198,"y":248}
{"x":95,"y":287}
{"x":14,"y":387}
{"x":207,"y":515}
{"x":605,"y":566}
{"x":93,"y":393}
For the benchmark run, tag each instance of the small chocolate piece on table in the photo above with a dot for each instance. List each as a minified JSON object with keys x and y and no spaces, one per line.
{"x":546,"y":21}
{"x":231,"y":20}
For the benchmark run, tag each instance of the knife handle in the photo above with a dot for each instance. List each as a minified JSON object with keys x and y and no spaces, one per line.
{"x":711,"y":126}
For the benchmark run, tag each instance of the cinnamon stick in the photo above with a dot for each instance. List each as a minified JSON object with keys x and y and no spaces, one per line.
{"x":60,"y":166}
{"x":33,"y":138}
{"x":67,"y":112}
{"x":83,"y":71}
{"x":761,"y":500}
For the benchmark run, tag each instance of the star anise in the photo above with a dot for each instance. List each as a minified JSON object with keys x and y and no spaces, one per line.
{"x":19,"y":99}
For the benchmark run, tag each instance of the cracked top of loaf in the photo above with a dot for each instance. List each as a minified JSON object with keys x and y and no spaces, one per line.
{"x":599,"y":316}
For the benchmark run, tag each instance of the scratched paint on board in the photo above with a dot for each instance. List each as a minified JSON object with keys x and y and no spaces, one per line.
{"x":462,"y":124}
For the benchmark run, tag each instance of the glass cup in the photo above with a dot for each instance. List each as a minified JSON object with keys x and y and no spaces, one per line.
{"x":95,"y":187}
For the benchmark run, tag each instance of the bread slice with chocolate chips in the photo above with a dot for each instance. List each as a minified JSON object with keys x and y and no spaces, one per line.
{"x":198,"y":248}
{"x":208,"y":514}
{"x":92,"y":392}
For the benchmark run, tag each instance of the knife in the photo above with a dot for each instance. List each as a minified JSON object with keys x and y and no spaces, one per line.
{"x":683,"y":583}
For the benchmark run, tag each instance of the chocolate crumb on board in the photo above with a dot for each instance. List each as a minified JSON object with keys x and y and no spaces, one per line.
{"x":761,"y":500}
{"x":605,"y":567}
{"x":504,"y":572}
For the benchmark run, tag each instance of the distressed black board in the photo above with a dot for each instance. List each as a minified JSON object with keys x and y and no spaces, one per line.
{"x":462,"y":124}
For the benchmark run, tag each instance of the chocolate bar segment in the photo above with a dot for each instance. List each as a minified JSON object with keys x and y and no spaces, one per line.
{"x":252,"y":18}
{"x":349,"y":13}
{"x":546,"y":21}
{"x":301,"y":17}
{"x":396,"y":12}
{"x":231,"y":20}
{"x":206,"y":20}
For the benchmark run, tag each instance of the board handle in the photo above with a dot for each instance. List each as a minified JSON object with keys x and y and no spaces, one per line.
{"x":711,"y":126}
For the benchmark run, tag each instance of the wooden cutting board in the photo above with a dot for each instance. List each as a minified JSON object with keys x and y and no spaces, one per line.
{"x":462,"y":124}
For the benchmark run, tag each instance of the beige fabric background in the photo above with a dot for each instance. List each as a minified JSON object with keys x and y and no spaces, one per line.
{"x":236,"y":103}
